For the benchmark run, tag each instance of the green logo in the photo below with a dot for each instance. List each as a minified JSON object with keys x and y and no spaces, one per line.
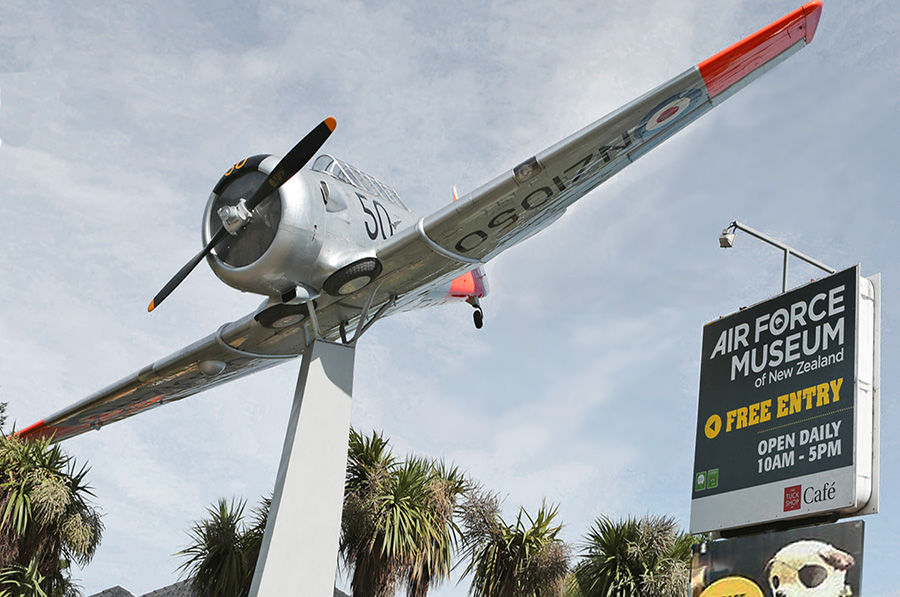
{"x":712,"y":479}
{"x":700,"y":481}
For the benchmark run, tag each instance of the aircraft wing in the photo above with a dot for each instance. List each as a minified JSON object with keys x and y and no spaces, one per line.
{"x":457,"y":238}
{"x":202,"y":365}
{"x":526,"y":199}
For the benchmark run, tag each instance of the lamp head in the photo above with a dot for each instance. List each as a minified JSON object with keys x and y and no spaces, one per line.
{"x":726,"y":239}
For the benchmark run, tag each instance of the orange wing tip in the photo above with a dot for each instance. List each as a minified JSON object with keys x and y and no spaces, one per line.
{"x":330,"y":123}
{"x":813,"y":13}
{"x":733,"y":64}
{"x":31,"y":429}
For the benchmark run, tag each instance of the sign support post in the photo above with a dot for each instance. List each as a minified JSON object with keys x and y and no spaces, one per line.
{"x":300,"y":546}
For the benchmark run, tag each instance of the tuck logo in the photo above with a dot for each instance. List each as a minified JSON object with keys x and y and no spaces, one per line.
{"x":792,"y":497}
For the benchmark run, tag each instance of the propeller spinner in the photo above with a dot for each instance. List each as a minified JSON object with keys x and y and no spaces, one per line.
{"x":289,"y":165}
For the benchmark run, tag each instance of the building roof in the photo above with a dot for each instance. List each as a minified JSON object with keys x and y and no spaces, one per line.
{"x":179,"y":589}
{"x":115,"y":591}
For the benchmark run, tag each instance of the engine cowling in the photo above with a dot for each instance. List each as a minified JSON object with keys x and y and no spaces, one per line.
{"x":280,"y":245}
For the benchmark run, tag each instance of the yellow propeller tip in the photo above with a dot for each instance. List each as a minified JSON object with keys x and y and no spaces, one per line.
{"x":151,"y":306}
{"x":330,"y":123}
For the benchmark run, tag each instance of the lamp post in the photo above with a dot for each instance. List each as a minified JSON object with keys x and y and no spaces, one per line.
{"x":726,"y":241}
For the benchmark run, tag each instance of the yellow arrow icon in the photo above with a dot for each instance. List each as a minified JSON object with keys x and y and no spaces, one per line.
{"x":713,"y":426}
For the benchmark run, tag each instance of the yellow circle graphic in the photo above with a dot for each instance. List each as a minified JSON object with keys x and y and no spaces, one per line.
{"x":731,"y":586}
{"x":713,"y":426}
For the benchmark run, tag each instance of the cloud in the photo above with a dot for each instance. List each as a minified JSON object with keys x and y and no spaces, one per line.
{"x":117,"y":119}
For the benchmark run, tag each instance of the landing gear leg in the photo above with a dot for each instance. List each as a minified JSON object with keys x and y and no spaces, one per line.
{"x":478,"y":316}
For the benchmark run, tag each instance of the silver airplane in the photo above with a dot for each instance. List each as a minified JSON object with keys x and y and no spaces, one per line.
{"x":333,"y":249}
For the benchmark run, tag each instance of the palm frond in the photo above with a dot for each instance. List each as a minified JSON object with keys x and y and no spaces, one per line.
{"x":46,"y":518}
{"x":17,"y":580}
{"x":215,"y":558}
{"x":525,"y":559}
{"x":634,"y":557}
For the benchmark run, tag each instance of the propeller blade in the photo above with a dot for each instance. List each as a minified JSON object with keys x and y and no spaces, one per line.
{"x":293,"y":161}
{"x":184,"y":271}
{"x":289,"y":165}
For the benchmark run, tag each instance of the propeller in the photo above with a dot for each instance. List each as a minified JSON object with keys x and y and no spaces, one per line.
{"x":289,"y":165}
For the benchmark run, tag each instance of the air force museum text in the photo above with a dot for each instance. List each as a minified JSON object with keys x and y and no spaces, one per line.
{"x":806,"y":335}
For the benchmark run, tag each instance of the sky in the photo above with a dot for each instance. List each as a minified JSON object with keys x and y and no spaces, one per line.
{"x":117,"y":118}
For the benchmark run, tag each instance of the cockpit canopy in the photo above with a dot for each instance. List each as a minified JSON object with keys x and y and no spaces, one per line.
{"x":359,"y":179}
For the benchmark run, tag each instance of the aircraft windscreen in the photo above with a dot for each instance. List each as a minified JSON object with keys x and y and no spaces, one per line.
{"x":356,"y":177}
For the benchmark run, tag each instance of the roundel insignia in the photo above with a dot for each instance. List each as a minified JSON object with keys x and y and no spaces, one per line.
{"x":661,"y":117}
{"x":668,"y":112}
{"x":733,"y":585}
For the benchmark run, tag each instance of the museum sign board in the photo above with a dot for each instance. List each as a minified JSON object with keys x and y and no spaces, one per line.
{"x":787,"y":418}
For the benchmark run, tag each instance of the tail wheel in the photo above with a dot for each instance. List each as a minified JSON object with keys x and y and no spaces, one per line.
{"x":353,"y":277}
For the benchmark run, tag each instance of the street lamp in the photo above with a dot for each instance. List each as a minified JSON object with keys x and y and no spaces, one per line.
{"x":726,"y":241}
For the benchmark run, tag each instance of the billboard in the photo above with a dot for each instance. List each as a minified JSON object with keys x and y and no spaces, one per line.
{"x":821,"y":561}
{"x":786,"y":410}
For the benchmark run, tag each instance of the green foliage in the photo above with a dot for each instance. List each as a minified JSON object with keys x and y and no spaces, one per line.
{"x":635,"y":557}
{"x":405,"y":520}
{"x":397,"y":526}
{"x":524,"y":559}
{"x":46,"y":519}
{"x":221,"y":557}
{"x":433,"y":560}
{"x":253,"y":535}
{"x":22,"y":581}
